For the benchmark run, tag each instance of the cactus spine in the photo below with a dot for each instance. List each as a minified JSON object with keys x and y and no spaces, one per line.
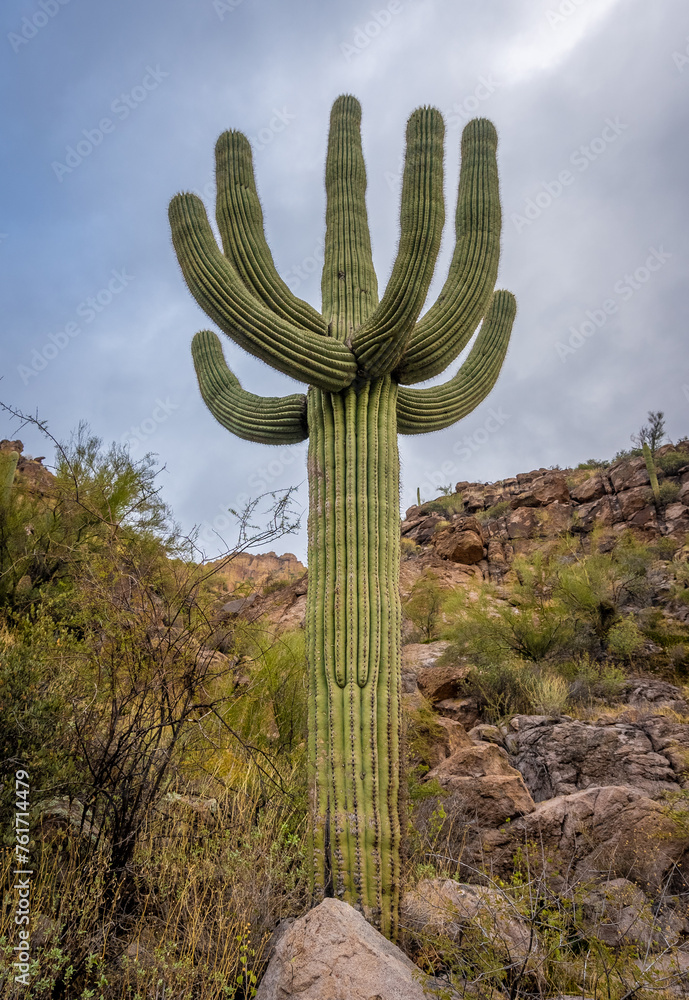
{"x":359,"y":357}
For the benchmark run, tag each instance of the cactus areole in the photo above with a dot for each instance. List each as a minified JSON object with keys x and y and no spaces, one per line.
{"x":358,"y":357}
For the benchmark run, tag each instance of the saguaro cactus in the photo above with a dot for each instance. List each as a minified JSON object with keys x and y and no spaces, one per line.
{"x":358,"y":356}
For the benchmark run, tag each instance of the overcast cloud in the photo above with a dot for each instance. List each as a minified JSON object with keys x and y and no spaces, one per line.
{"x":111,"y":107}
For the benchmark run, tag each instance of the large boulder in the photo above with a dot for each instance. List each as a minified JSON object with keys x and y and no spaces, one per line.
{"x":483,"y":787}
{"x":561,"y":756}
{"x":550,"y":488}
{"x":461,"y":542}
{"x":615,"y":830}
{"x":332,"y":953}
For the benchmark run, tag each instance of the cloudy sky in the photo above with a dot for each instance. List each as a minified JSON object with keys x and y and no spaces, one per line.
{"x":111,"y":107}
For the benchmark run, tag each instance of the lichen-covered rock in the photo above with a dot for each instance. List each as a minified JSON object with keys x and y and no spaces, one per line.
{"x":558,"y":757}
{"x":618,"y":913}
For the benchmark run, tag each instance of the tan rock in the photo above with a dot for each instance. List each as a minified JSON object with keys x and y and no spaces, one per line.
{"x":592,"y":488}
{"x":550,"y":488}
{"x":522,"y":523}
{"x":463,"y":710}
{"x":618,"y":913}
{"x":628,"y":474}
{"x":632,"y":501}
{"x":482,"y":785}
{"x":332,"y":953}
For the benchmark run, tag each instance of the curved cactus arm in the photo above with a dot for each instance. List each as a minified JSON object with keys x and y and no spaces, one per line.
{"x":449,"y":324}
{"x":422,"y":410}
{"x":379,"y":344}
{"x":349,"y":286}
{"x":240,"y":221}
{"x":266,"y":420}
{"x":216,"y":286}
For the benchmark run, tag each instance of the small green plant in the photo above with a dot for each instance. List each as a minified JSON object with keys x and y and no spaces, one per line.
{"x":668,"y":493}
{"x":652,"y":474}
{"x":425,"y":606}
{"x":625,"y":638}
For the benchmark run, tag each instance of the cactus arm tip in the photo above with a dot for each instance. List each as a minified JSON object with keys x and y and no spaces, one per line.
{"x":445,"y":330}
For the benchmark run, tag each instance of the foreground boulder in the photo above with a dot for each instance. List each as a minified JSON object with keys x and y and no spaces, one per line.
{"x":332,"y":953}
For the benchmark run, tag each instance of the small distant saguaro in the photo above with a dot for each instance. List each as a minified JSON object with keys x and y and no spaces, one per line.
{"x":358,"y":357}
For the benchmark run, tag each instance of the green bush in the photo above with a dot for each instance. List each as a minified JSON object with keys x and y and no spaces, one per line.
{"x":446,"y":505}
{"x":668,"y":493}
{"x":672,"y":461}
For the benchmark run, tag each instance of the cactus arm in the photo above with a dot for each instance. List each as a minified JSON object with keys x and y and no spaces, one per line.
{"x":240,"y":221}
{"x":349,"y":285}
{"x":379,"y":344}
{"x":449,"y":324}
{"x":216,"y":286}
{"x":423,"y":410}
{"x":266,"y":420}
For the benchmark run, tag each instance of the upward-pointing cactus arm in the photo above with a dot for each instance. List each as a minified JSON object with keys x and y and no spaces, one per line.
{"x":266,"y":420}
{"x":423,"y":410}
{"x":217,"y":288}
{"x":240,"y":221}
{"x":449,"y":324}
{"x":349,"y":286}
{"x":379,"y":344}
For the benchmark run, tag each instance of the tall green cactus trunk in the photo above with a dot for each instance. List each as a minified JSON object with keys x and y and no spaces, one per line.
{"x":359,"y":355}
{"x":353,"y":620}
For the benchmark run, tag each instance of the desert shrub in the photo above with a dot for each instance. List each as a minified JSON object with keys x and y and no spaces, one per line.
{"x":593,"y":463}
{"x":549,"y":694}
{"x":672,"y":461}
{"x":408,"y":548}
{"x":424,"y":607}
{"x":668,"y":493}
{"x":491,"y":513}
{"x":272,"y":586}
{"x":445,"y":505}
{"x":625,"y":638}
